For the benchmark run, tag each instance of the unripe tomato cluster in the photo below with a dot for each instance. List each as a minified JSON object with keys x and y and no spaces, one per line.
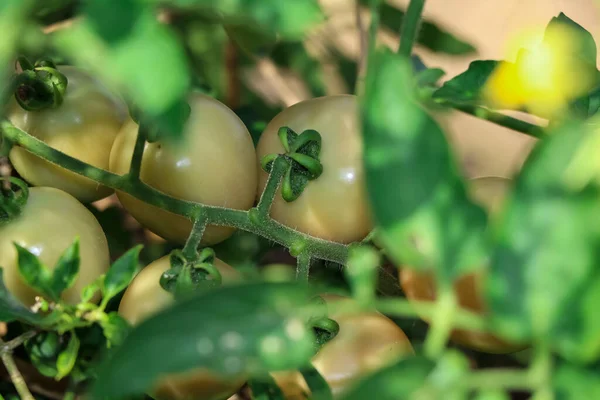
{"x":215,"y":164}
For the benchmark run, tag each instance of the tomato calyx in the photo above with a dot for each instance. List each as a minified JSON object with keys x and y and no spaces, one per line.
{"x":324,"y":328}
{"x":188,"y":276}
{"x":40,"y":85}
{"x":12,"y":201}
{"x":302,"y":156}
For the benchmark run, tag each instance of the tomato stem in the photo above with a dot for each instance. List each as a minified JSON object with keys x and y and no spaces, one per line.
{"x":15,"y":375}
{"x":410,"y":27}
{"x":303,"y":266}
{"x":138,"y":153}
{"x":441,"y":325}
{"x":190,"y":250}
{"x":273,"y":181}
{"x":239,"y":219}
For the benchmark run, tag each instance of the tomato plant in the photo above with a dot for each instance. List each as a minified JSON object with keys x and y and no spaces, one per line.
{"x":313,"y":155}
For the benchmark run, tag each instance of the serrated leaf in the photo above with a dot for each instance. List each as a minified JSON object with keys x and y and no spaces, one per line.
{"x":466,"y":88}
{"x":34,"y":273}
{"x":67,"y":358}
{"x":231,"y":330}
{"x":417,"y":195}
{"x":396,"y":382}
{"x":11,"y":309}
{"x":66,"y":270}
{"x":544,"y":279}
{"x":121,"y":273}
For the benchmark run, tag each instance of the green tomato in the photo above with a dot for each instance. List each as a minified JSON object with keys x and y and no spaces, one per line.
{"x":214,"y":165}
{"x":84,"y":126}
{"x":47,"y":226}
{"x":335,"y":205}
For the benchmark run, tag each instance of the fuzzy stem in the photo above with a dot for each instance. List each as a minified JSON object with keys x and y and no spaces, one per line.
{"x":273,"y":182}
{"x":190,"y":250}
{"x":303,"y":266}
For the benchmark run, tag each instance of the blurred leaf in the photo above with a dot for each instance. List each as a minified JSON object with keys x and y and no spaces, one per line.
{"x":290,"y":18}
{"x":121,"y":273}
{"x":265,"y":388}
{"x":574,"y":383}
{"x":417,"y":195}
{"x":448,"y":374}
{"x":430,"y":35}
{"x":429,"y":76}
{"x":115,"y":329}
{"x":139,"y":54}
{"x":544,"y":280}
{"x":319,"y":388}
{"x":293,"y":55}
{"x":230,"y":330}
{"x":586,"y":106}
{"x":11,"y":309}
{"x":466,"y":87}
{"x":51,"y":11}
{"x":251,"y":39}
{"x":34,"y":273}
{"x":396,"y":382}
{"x":583,"y":47}
{"x":492,"y":394}
{"x":13,"y":14}
{"x":66,"y":270}
{"x":111,"y":220}
{"x":67,"y":358}
{"x":242,"y":248}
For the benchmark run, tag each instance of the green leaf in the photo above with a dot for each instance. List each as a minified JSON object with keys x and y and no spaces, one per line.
{"x":290,"y":19}
{"x":544,"y":280}
{"x":293,"y":55}
{"x":66,"y":270}
{"x":115,"y":329}
{"x":90,"y":290}
{"x":265,"y":388}
{"x":430,"y":35}
{"x":34,"y":273}
{"x":251,"y":39}
{"x":466,"y":87}
{"x":417,"y":195}
{"x":319,"y":388}
{"x":584,"y":47}
{"x":11,"y":309}
{"x":429,"y":76}
{"x":113,"y":20}
{"x":492,"y":394}
{"x":574,"y":383}
{"x":251,"y":328}
{"x":121,"y":273}
{"x":396,"y":382}
{"x":67,"y":358}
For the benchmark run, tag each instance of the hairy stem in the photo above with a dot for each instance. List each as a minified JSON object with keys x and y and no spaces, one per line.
{"x":410,"y":26}
{"x":273,"y":182}
{"x":441,"y":325}
{"x":190,"y":250}
{"x":239,"y":219}
{"x":303,"y":266}
{"x":13,"y":371}
{"x":499,"y":119}
{"x":138,"y":153}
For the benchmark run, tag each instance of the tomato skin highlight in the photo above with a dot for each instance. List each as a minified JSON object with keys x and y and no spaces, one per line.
{"x":145,"y":297}
{"x":366,"y":341}
{"x":47,"y":226}
{"x":84,"y":126}
{"x":213,"y":165}
{"x":490,"y":193}
{"x":335,"y":205}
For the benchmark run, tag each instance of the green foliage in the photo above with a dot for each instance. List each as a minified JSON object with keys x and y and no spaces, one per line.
{"x":426,"y":218}
{"x":430,"y":35}
{"x":265,"y":388}
{"x":11,"y":309}
{"x":397,"y":382}
{"x":217,"y":329}
{"x":544,"y":277}
{"x":50,"y":283}
{"x":316,"y":383}
{"x":67,"y":358}
{"x":466,"y":87}
{"x":121,"y":273}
